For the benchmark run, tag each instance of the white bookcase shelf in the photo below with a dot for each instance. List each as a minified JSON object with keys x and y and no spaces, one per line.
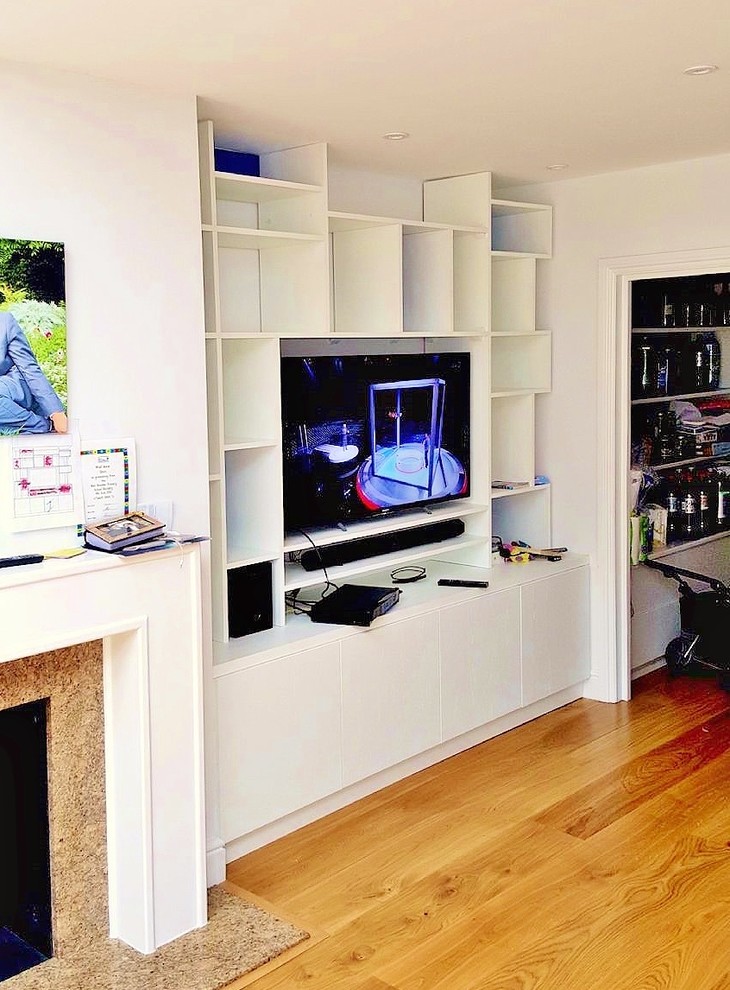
{"x":448,"y":667}
{"x":516,"y":492}
{"x":297,"y":577}
{"x":279,"y":266}
{"x":518,"y":254}
{"x":259,"y":189}
{"x":246,"y":556}
{"x":246,"y":239}
{"x":249,"y":444}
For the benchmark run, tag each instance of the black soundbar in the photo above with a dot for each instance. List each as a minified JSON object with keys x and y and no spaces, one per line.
{"x":334,"y":554}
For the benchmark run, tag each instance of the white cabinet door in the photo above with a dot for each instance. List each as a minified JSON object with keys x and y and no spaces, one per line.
{"x":280,"y":738}
{"x":480,"y":661}
{"x":555,"y":634}
{"x":390,"y":695}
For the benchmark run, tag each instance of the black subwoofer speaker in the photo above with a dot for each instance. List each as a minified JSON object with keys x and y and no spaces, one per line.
{"x":250,"y":605}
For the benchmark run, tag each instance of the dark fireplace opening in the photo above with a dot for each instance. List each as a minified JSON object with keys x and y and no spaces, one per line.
{"x":26,"y":937}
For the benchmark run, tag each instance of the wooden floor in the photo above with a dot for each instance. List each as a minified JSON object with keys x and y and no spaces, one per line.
{"x":588,"y":850}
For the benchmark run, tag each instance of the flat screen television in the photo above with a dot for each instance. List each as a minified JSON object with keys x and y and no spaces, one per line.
{"x":365,"y":435}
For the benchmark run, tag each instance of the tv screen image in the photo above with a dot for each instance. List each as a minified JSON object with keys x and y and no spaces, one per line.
{"x":370,"y":434}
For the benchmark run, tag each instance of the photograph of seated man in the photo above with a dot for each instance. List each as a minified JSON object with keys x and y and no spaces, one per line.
{"x":32,"y":338}
{"x":28,"y":402}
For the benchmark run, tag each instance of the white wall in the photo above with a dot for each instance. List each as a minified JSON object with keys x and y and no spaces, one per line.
{"x":112,"y":172}
{"x":663,"y":208}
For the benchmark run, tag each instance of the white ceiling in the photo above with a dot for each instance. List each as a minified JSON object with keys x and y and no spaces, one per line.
{"x":479,"y":84}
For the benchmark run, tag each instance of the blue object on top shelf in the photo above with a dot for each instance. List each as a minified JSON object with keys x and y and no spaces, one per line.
{"x":237,"y":162}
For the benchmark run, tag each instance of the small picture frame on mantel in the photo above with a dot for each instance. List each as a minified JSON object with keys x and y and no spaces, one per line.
{"x":123,"y":531}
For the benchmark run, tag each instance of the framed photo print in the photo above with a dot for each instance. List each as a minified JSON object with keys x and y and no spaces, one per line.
{"x":33,"y":377}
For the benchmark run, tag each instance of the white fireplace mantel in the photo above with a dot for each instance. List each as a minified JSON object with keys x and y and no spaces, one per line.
{"x":147,"y":611}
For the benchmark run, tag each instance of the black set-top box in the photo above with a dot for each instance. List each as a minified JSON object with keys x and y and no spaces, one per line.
{"x":354,"y":605}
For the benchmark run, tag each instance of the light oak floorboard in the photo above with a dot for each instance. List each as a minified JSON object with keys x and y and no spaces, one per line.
{"x":587,"y":850}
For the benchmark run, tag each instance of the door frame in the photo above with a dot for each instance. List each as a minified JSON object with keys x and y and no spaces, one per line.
{"x":612,"y":577}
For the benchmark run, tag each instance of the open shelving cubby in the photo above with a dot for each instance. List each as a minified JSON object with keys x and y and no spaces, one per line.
{"x":522,"y":228}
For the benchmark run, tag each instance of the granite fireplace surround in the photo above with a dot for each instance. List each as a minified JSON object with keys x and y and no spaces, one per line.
{"x":72,"y":681}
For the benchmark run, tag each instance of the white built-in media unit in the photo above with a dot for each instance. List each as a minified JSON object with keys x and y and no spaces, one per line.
{"x":312,"y":716}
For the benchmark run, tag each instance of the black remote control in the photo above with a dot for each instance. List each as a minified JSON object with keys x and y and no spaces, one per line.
{"x":458,"y":583}
{"x":22,"y":558}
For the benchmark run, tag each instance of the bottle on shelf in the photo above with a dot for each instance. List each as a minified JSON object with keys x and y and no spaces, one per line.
{"x":712,"y":347}
{"x":690,"y":522}
{"x":645,"y":369}
{"x":724,"y":306}
{"x":714,"y":492}
{"x":673,"y":502}
{"x":718,"y":299}
{"x":705,"y":519}
{"x":697,"y":365}
{"x":684,"y":306}
{"x":668,"y":316}
{"x":722,"y":488}
{"x":665,"y":437}
{"x":668,"y":377}
{"x":703,"y":305}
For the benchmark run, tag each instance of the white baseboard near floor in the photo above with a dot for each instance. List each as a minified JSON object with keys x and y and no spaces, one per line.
{"x":215,"y":865}
{"x":304,"y":816}
{"x":647,"y":668}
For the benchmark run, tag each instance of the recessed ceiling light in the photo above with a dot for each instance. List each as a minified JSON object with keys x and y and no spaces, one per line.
{"x":557,"y":168}
{"x":700,"y":70}
{"x":396,"y":136}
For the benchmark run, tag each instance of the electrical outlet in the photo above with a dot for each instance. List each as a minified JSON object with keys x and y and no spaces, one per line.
{"x":162,"y":510}
{"x":165,"y":512}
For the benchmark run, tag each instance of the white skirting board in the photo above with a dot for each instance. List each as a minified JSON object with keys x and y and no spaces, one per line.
{"x":215,"y":865}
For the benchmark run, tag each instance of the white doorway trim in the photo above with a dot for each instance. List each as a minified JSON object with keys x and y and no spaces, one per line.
{"x":611,"y":621}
